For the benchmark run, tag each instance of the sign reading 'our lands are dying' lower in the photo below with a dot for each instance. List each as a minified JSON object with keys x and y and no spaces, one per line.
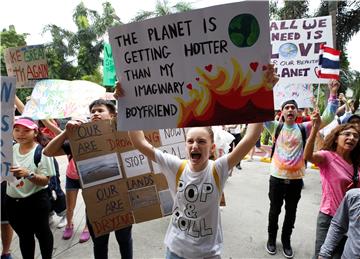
{"x":203,"y":67}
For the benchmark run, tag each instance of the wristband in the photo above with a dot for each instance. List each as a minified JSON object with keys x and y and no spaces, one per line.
{"x":30,"y":176}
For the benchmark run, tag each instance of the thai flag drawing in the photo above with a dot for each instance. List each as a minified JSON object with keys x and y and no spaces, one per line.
{"x":329,"y":62}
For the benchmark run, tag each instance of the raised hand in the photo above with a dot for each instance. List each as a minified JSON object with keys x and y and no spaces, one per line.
{"x":119,"y":91}
{"x":334,"y":85}
{"x":271,"y":76}
{"x":316,"y":119}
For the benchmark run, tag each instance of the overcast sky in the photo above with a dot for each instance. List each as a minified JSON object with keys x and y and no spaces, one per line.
{"x":32,"y":16}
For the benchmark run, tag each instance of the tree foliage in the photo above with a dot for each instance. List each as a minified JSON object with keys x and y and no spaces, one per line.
{"x":162,"y":8}
{"x":75,"y":55}
{"x":10,"y":39}
{"x":290,"y":10}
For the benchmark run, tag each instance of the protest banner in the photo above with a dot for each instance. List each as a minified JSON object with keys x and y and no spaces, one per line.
{"x":301,"y":93}
{"x":57,"y":99}
{"x":109,"y":76}
{"x":295,"y":48}
{"x":120,"y":185}
{"x":28,"y":64}
{"x":7,"y":119}
{"x":202,"y":67}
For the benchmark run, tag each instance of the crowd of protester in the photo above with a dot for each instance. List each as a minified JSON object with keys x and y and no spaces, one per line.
{"x":37,"y":190}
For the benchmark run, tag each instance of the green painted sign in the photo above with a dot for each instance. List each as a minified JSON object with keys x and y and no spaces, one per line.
{"x":109,"y":76}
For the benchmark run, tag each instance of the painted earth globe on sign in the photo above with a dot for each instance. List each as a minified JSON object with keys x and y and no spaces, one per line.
{"x":244,"y":30}
{"x":288,"y":50}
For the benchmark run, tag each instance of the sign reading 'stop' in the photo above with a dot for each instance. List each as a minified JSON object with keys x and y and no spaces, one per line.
{"x":203,"y":67}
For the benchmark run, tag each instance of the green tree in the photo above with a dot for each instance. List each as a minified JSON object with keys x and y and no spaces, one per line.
{"x":77,"y":55}
{"x":10,"y":39}
{"x":162,"y":8}
{"x":290,"y":10}
{"x":347,"y":25}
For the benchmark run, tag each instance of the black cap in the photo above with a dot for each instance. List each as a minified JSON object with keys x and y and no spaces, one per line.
{"x":352,"y":117}
{"x":289,"y":102}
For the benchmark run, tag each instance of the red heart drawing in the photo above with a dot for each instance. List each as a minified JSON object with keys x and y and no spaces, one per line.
{"x":264,"y":68}
{"x":189,"y":86}
{"x":254,"y":66}
{"x":197,"y":79}
{"x":208,"y":67}
{"x":317,"y":71}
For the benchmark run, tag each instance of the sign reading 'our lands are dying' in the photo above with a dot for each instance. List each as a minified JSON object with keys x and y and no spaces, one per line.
{"x":203,"y":67}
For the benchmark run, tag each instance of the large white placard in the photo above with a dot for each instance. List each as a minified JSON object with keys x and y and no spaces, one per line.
{"x":203,"y":67}
{"x":295,"y":48}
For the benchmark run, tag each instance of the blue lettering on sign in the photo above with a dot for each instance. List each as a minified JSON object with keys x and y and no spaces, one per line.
{"x":5,"y":92}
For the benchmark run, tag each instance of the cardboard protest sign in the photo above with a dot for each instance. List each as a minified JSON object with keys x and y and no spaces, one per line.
{"x":28,"y":64}
{"x":120,"y":185}
{"x":202,"y":67}
{"x":109,"y":76}
{"x":296,"y":45}
{"x":7,"y":120}
{"x":301,"y":93}
{"x":56,"y":99}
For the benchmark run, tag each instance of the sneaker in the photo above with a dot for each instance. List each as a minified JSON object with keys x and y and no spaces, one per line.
{"x":6,"y":256}
{"x":68,"y":232}
{"x":288,"y":252}
{"x":238,"y":166}
{"x":85,"y":236}
{"x":271,"y":248}
{"x":62,"y":223}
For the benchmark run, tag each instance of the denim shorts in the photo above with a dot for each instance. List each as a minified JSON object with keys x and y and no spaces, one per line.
{"x":72,"y":184}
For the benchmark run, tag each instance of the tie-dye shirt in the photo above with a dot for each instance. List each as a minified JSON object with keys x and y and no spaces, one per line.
{"x":288,"y":159}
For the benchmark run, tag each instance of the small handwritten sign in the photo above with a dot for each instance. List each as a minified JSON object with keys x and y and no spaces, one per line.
{"x":28,"y":64}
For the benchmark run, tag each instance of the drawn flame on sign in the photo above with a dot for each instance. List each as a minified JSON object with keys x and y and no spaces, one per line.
{"x":222,"y":90}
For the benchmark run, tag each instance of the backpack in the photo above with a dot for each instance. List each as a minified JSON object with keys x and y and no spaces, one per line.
{"x":277,"y":132}
{"x":56,"y":194}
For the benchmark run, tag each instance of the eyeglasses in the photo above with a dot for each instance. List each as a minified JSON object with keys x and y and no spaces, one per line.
{"x":347,"y":134}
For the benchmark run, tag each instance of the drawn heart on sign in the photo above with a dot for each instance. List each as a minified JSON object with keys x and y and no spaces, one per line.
{"x":208,"y":67}
{"x":189,"y":86}
{"x":254,"y":66}
{"x":317,"y":72}
{"x":264,"y":68}
{"x":197,"y":79}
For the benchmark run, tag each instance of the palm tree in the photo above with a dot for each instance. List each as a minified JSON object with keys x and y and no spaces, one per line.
{"x":162,"y":8}
{"x":77,"y":55}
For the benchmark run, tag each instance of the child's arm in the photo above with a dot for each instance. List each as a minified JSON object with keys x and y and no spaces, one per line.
{"x":54,"y":147}
{"x":138,"y":139}
{"x":52,"y":126}
{"x":36,"y":179}
{"x":247,"y":142}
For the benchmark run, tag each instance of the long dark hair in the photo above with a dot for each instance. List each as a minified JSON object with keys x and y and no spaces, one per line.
{"x":331,"y":145}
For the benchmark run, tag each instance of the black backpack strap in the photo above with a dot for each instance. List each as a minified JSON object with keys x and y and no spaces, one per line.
{"x":355,"y":177}
{"x":303,"y":134}
{"x":277,"y":132}
{"x":37,"y":154}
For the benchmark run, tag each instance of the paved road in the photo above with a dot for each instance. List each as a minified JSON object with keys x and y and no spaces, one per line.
{"x":244,"y":221}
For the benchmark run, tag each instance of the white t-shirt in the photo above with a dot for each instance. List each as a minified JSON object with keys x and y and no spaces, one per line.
{"x":24,"y":187}
{"x":195,"y":227}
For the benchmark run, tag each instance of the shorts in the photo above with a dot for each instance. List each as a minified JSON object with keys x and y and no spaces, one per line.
{"x":72,"y":184}
{"x":258,"y":143}
{"x":4,"y":215}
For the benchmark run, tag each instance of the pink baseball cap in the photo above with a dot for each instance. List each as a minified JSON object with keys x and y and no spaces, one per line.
{"x":26,"y":123}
